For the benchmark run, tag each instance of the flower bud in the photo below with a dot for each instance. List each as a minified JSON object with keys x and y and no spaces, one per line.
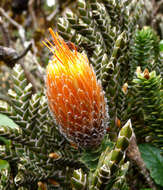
{"x":75,"y":97}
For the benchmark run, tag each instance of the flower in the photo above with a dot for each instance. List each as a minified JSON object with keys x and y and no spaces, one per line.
{"x":75,"y":97}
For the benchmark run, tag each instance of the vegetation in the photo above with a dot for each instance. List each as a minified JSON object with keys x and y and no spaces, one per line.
{"x":36,"y":151}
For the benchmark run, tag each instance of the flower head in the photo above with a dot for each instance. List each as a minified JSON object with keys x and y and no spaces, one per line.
{"x":75,"y":97}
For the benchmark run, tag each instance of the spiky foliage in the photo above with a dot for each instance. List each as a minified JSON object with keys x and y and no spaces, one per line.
{"x":145,"y":51}
{"x":104,"y":30}
{"x":39,"y":156}
{"x":4,"y":178}
{"x":42,"y":156}
{"x":145,"y":93}
{"x":111,"y":168}
{"x":147,"y":106}
{"x":36,"y":146}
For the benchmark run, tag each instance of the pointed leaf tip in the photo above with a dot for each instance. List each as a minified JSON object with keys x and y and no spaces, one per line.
{"x":126,"y":130}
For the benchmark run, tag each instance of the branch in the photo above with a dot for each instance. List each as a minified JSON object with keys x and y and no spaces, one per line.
{"x":134,"y":154}
{"x":14,"y":23}
{"x":156,"y":7}
{"x":159,"y":4}
{"x":41,"y":71}
{"x":6,"y":55}
{"x":29,"y":77}
{"x":32,"y":13}
{"x":53,"y":14}
{"x":6,"y":37}
{"x":24,"y":52}
{"x":10,"y":56}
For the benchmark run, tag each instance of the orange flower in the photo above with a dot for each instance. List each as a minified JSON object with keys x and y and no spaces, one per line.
{"x":75,"y":97}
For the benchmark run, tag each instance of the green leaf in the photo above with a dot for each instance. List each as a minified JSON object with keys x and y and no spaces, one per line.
{"x":4,"y":141}
{"x":3,"y":164}
{"x":161,"y":45}
{"x":6,"y":121}
{"x":154,"y":161}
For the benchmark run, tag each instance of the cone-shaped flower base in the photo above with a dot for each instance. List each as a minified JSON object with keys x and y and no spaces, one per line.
{"x":76,"y":98}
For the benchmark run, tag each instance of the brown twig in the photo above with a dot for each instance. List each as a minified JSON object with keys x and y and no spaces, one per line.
{"x":32,"y":13}
{"x":24,"y":52}
{"x":21,"y":31}
{"x":41,"y":71}
{"x":6,"y":37}
{"x":53,"y":14}
{"x":156,"y":7}
{"x":134,"y":154}
{"x":14,"y":23}
{"x":29,"y":77}
{"x":10,"y":56}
